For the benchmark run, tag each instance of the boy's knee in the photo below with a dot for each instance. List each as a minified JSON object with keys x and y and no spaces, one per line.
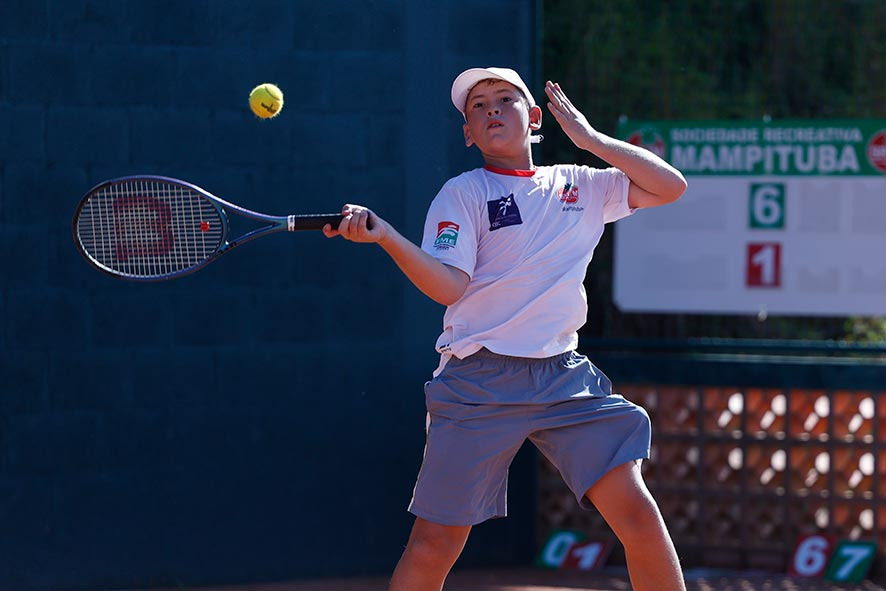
{"x":640,"y":524}
{"x":627,"y":505}
{"x":431,"y":542}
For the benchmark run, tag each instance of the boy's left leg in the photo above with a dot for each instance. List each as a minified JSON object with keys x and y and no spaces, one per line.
{"x":627,"y":506}
{"x":430,"y":553}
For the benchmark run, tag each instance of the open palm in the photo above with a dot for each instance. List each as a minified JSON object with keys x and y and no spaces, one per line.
{"x":573,"y":121}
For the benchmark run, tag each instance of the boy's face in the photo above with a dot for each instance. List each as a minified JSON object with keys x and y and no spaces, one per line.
{"x":498,"y":118}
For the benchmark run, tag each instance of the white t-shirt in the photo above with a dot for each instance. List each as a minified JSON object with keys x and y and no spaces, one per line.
{"x":525,"y":238}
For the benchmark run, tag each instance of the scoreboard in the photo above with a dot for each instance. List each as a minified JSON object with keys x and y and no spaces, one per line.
{"x":780,"y":217}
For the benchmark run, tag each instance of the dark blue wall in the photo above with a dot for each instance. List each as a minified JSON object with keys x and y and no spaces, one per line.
{"x":262,"y":419}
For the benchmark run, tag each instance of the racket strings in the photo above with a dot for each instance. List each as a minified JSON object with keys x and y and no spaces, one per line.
{"x":149,"y":228}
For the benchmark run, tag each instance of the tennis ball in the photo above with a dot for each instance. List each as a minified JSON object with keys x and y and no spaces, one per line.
{"x":266,"y":100}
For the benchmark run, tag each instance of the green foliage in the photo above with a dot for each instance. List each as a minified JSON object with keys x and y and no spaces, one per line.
{"x":865,"y":329}
{"x":713,"y":59}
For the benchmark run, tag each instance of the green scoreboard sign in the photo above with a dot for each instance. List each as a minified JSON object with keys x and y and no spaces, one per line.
{"x":782,"y":217}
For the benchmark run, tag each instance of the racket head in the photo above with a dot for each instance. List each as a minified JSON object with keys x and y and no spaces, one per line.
{"x":149,"y":228}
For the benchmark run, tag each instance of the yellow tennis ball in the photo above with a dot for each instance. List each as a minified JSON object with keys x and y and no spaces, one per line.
{"x":266,"y":100}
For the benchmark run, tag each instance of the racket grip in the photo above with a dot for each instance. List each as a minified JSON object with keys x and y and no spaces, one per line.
{"x":314,"y":221}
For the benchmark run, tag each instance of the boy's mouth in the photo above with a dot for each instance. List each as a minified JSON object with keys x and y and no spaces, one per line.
{"x":494,"y":124}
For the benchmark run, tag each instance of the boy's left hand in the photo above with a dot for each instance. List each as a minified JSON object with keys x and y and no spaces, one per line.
{"x":573,"y":122}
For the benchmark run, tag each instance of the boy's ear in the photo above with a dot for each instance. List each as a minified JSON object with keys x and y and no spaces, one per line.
{"x":469,"y":141}
{"x":535,"y":118}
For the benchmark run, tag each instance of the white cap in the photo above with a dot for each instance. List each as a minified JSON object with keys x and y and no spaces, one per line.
{"x":469,"y":78}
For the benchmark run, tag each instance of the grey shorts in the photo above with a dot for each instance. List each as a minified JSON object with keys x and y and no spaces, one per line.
{"x":482,"y":408}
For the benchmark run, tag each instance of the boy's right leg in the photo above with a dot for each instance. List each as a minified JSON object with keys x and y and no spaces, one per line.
{"x":430,"y":553}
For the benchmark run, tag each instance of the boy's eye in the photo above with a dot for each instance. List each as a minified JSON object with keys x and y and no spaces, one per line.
{"x":478,"y":105}
{"x":506,"y":99}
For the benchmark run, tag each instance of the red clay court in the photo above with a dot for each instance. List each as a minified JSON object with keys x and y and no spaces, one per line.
{"x":542,"y":580}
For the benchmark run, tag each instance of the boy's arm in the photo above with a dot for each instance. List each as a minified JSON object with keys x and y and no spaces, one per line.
{"x":440,"y":282}
{"x":653,"y":181}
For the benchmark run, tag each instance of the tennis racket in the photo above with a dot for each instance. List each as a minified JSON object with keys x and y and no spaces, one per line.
{"x":153,"y":228}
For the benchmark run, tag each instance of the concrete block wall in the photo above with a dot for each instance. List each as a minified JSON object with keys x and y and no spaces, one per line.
{"x":262,"y":419}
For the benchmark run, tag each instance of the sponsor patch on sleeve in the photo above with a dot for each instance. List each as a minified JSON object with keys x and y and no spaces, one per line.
{"x":447,"y":235}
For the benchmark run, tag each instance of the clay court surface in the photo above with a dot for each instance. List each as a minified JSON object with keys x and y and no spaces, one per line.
{"x":539,"y":580}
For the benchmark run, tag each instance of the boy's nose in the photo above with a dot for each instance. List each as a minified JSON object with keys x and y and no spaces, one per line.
{"x":494,"y":111}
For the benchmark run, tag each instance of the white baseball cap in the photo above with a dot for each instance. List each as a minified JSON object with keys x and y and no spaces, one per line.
{"x":469,"y":78}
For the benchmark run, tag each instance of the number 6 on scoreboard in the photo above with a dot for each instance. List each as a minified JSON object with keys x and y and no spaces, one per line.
{"x":810,"y":557}
{"x":766,"y":208}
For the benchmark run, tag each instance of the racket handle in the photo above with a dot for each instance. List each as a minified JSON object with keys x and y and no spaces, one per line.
{"x":314,"y":221}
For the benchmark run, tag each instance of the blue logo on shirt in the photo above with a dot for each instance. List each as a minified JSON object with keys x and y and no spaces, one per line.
{"x":503,"y":212}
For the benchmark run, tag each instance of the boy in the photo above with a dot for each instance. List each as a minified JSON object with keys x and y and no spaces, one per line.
{"x":506,"y":248}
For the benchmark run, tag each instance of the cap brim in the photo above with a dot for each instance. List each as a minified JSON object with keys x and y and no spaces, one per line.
{"x":465,"y":81}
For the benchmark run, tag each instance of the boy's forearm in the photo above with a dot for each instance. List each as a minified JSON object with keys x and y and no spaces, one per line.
{"x":649,"y":173}
{"x":644,"y":168}
{"x":439,"y":282}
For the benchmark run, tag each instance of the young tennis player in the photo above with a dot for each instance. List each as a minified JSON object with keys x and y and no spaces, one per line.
{"x":506,"y":248}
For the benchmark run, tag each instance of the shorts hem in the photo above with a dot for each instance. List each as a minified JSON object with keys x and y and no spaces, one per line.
{"x":460,"y":520}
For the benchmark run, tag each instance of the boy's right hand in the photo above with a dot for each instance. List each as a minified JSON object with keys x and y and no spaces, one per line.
{"x":359,"y":225}
{"x":440,"y":282}
{"x":573,"y":121}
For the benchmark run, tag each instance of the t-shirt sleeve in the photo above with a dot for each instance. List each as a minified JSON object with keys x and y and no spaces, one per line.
{"x":613,"y":185}
{"x":450,"y":233}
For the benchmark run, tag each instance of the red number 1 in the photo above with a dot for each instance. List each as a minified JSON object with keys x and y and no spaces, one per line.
{"x":763,"y":265}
